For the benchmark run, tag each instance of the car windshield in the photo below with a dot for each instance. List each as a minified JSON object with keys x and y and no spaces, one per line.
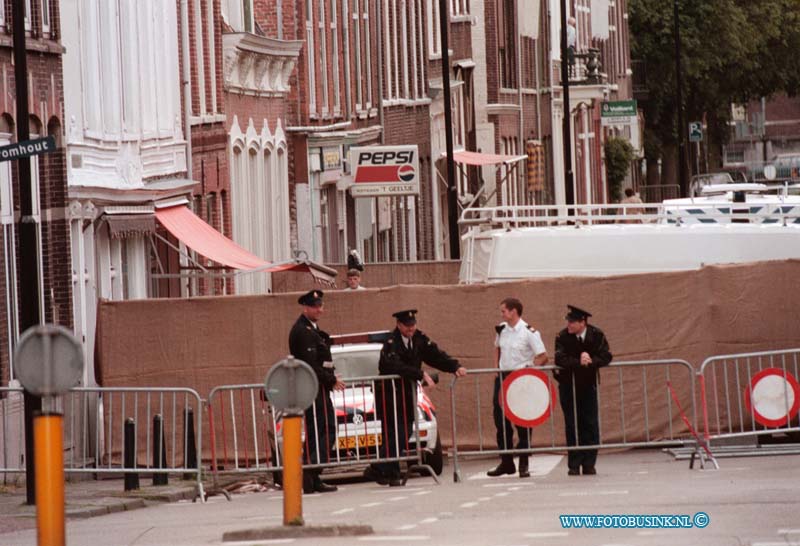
{"x":356,"y":363}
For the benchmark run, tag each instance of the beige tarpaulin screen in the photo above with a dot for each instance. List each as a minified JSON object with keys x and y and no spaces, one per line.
{"x":206,"y":342}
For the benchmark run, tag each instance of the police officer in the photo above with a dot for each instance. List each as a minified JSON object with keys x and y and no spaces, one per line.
{"x":313,"y":346}
{"x":581,"y":350}
{"x":403,"y":354}
{"x":517,"y":345}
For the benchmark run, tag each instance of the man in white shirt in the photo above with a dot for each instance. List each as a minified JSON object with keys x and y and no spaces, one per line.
{"x":517,"y":345}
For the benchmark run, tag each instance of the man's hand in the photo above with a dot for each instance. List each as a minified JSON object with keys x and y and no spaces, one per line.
{"x":461,"y":371}
{"x":427,"y":381}
{"x":585,"y":359}
{"x":339,"y":386}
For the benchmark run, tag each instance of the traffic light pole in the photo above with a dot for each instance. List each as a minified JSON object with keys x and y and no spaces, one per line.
{"x":28,"y":247}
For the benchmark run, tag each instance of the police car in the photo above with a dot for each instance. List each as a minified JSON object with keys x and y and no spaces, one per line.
{"x":359,"y":429}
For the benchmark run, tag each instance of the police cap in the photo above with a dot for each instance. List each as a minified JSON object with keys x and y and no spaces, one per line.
{"x":312,"y":298}
{"x":576,"y":313}
{"x":407,"y":317}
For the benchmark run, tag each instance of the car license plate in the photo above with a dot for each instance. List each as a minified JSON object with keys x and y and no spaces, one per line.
{"x":364,"y":440}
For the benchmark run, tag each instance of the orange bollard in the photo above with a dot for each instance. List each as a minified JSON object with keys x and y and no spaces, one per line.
{"x":292,"y":471}
{"x":49,"y":464}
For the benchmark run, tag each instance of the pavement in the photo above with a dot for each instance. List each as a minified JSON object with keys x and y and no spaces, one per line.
{"x":749,"y":502}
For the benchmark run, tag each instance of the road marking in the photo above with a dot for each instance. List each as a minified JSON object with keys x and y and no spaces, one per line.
{"x":426,"y":492}
{"x":540,"y":465}
{"x":261,"y":542}
{"x":428,"y":520}
{"x":484,"y":499}
{"x":399,"y":538}
{"x":502,"y":494}
{"x":517,"y":488}
{"x":342,"y":511}
{"x":406,"y":527}
{"x":506,"y":484}
{"x":371,"y":504}
{"x":445,"y":514}
{"x":553,"y":534}
{"x":469,"y":504}
{"x":788,"y":531}
{"x":591,"y":493}
{"x":262,"y":517}
{"x":397,"y":499}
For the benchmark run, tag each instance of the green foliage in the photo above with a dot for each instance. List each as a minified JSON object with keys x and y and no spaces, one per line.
{"x":619,"y":154}
{"x":732,"y":51}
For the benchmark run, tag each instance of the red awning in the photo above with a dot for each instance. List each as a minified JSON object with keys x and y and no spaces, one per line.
{"x":207,"y":241}
{"x":479,"y":159}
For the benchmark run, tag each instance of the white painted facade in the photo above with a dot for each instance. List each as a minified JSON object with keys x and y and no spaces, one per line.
{"x":123,"y":130}
{"x":259,"y":197}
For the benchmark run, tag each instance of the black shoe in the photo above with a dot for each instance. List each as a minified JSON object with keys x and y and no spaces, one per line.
{"x":396,"y":482}
{"x":502,"y":468}
{"x":371,"y":474}
{"x":589,"y":471}
{"x":574,"y":472}
{"x":308,"y":483}
{"x":322,"y":487}
{"x":523,"y":467}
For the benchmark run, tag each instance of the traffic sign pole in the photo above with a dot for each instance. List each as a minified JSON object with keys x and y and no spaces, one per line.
{"x":292,"y":471}
{"x":49,"y":463}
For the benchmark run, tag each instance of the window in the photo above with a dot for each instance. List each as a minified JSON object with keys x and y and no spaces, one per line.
{"x":402,"y":42}
{"x":238,"y":14}
{"x":434,"y":38}
{"x":28,"y":14}
{"x":359,"y":83}
{"x":337,"y":103}
{"x":312,"y":79}
{"x":323,"y":50}
{"x":2,"y":13}
{"x":200,"y":57}
{"x":46,"y":17}
{"x":507,"y":37}
{"x":459,"y":7}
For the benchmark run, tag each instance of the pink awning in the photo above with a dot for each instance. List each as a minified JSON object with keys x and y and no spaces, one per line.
{"x":207,"y":241}
{"x":479,"y":159}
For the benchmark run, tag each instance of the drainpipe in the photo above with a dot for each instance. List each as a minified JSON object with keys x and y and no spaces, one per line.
{"x":519,"y":85}
{"x":187,"y":86}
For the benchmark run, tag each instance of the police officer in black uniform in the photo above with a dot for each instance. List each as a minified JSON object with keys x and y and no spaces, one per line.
{"x":403,"y":354}
{"x":313,"y":346}
{"x":581,"y":350}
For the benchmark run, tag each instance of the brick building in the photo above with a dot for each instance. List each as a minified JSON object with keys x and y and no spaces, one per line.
{"x":46,"y":106}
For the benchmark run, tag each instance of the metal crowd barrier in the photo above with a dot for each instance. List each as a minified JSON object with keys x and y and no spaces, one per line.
{"x":726,"y":385}
{"x":12,"y":432}
{"x":245,"y":431}
{"x":161,"y":424}
{"x":629,"y":384}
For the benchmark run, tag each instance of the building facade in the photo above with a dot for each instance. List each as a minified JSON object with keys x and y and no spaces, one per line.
{"x":46,"y":106}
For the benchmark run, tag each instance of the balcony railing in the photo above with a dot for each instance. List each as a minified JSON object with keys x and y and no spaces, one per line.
{"x":584,"y":67}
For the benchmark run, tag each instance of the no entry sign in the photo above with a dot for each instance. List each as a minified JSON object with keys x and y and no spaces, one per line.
{"x":773,"y":397}
{"x":528,"y":397}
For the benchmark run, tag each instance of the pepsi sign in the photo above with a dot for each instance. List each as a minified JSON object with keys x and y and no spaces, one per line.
{"x":380,"y":171}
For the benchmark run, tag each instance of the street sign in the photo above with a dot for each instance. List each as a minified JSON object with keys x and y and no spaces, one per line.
{"x":528,"y":397}
{"x":695,"y":131}
{"x":291,"y":386}
{"x":49,"y":360}
{"x":381,"y":171}
{"x":773,"y":397}
{"x":618,"y":112}
{"x":27,"y":148}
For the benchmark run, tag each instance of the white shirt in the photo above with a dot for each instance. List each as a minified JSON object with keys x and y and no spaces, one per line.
{"x":518,"y":346}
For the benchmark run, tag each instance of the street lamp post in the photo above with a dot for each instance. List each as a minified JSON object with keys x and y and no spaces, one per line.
{"x":565,"y":126}
{"x":679,"y":104}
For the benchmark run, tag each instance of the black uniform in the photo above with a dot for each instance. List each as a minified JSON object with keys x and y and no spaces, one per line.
{"x":313,"y":346}
{"x":396,"y":359}
{"x":568,"y":357}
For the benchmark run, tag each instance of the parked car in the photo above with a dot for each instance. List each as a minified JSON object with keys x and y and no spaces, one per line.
{"x":359,"y":431}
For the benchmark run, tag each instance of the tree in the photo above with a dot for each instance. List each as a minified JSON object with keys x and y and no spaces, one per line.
{"x":732,"y":51}
{"x":619,"y":154}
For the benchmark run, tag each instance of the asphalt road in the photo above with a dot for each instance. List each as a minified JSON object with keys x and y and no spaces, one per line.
{"x":749,"y":501}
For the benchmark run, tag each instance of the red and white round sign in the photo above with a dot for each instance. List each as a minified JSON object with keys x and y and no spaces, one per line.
{"x":528,"y":397}
{"x":773,"y":397}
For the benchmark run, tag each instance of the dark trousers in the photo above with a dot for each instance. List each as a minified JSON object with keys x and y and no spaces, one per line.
{"x":588,"y":432}
{"x":505,"y":428}
{"x":320,"y":421}
{"x":394,"y":405}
